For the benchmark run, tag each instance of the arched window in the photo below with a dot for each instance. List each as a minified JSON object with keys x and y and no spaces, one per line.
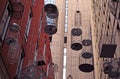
{"x":56,"y":68}
{"x":69,"y":77}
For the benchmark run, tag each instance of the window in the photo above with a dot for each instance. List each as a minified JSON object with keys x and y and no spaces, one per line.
{"x":0,"y":42}
{"x":119,"y":16}
{"x":104,"y":4}
{"x":28,"y":25}
{"x":70,"y":77}
{"x":118,"y":28}
{"x":109,"y":19}
{"x":114,"y":0}
{"x":9,"y":8}
{"x":104,"y":12}
{"x":65,"y":39}
{"x":4,"y":21}
{"x":108,"y":26}
{"x":65,"y":29}
{"x":50,"y":38}
{"x":22,"y":53}
{"x":64,"y":63}
{"x":20,"y":62}
{"x":66,"y":17}
{"x":56,"y":68}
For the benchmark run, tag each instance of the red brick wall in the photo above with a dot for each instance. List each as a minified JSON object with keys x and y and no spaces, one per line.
{"x":30,"y":45}
{"x":22,"y":23}
{"x":2,"y":7}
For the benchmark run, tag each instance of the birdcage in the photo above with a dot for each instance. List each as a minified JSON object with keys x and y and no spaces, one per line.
{"x":52,"y":18}
{"x":32,"y":72}
{"x":13,"y":51}
{"x":14,"y":27}
{"x":51,"y":10}
{"x":55,"y":68}
{"x":18,"y":9}
{"x":12,"y":41}
{"x":86,"y":61}
{"x":51,"y":26}
{"x":69,"y":77}
{"x":112,"y":68}
{"x":87,"y":42}
{"x":76,"y":39}
{"x":77,"y":19}
{"x":50,"y":70}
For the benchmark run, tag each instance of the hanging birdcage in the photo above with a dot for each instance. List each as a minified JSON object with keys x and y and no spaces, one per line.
{"x":69,"y":77}
{"x":55,"y":67}
{"x":18,"y":9}
{"x":51,"y":11}
{"x":51,"y":26}
{"x":12,"y":42}
{"x":107,"y":67}
{"x":50,"y":70}
{"x":86,"y":61}
{"x":87,"y":42}
{"x":32,"y":72}
{"x":77,"y":18}
{"x":112,"y":68}
{"x":14,"y":27}
{"x":52,"y":18}
{"x":76,"y":39}
{"x":87,"y":55}
{"x":13,"y":51}
{"x":9,"y":40}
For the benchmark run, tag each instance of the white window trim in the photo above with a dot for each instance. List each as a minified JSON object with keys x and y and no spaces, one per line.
{"x":5,"y":23}
{"x":28,"y":26}
{"x":64,"y":63}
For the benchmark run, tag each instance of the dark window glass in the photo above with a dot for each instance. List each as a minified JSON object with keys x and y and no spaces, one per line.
{"x":10,"y":10}
{"x":109,"y":19}
{"x":108,"y":26}
{"x":50,"y":38}
{"x":65,"y":39}
{"x":119,"y":16}
{"x":118,"y":28}
{"x":22,"y":53}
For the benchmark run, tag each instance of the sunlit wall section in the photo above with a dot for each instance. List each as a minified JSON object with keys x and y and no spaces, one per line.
{"x":76,"y":58}
{"x":106,"y":34}
{"x":57,"y":39}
